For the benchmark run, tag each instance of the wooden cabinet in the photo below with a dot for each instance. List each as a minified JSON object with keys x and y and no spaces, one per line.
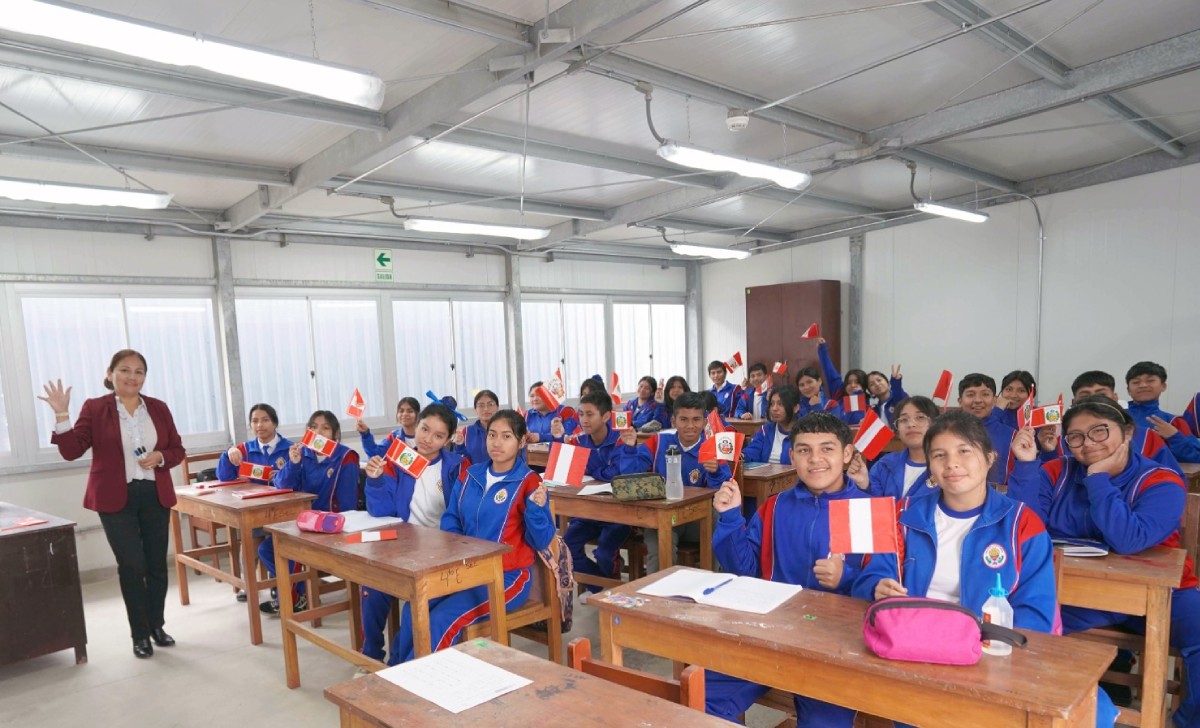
{"x":776,"y":317}
{"x":41,"y":603}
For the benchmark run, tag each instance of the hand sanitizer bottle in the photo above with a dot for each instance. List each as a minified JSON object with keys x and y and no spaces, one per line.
{"x":674,"y":476}
{"x":997,"y":610}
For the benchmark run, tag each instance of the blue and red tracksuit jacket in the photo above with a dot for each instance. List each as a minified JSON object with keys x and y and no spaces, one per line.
{"x":372,"y":449}
{"x":1185,"y":446}
{"x":504,"y":513}
{"x":334,"y":481}
{"x":785,"y":538}
{"x":830,"y":406}
{"x":759,"y":449}
{"x":651,"y":455}
{"x":540,"y":423}
{"x":474,"y":447}
{"x":1139,"y":508}
{"x":834,"y":384}
{"x":887,"y":477}
{"x":745,"y":404}
{"x":1007,"y":539}
{"x":252,"y":452}
{"x":643,"y":412}
{"x":1001,"y":436}
{"x":727,"y":397}
{"x":602,"y":460}
{"x":1147,"y":442}
{"x":391,"y":493}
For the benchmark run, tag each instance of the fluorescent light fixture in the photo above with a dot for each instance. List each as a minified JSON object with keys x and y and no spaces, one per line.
{"x":429,"y":225}
{"x":84,"y":26}
{"x":688,"y":156}
{"x":704,"y":251}
{"x":958,"y":213}
{"x":68,"y":194}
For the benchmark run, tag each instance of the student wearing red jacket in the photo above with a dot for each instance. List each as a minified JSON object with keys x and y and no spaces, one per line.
{"x":134,"y":445}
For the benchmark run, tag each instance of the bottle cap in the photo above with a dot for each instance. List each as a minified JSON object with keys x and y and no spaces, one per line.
{"x":998,"y":590}
{"x":672,"y":450}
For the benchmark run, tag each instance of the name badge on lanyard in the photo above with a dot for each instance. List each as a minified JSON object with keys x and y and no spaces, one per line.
{"x":135,"y":432}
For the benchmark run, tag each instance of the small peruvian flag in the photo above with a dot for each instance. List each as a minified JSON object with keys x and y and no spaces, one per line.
{"x":862,"y":526}
{"x":616,"y":389}
{"x":779,"y":368}
{"x":812,"y":332}
{"x":252,"y":471}
{"x":767,"y":385}
{"x":1025,"y":412}
{"x":406,"y":458}
{"x":622,"y":421}
{"x":734,"y":362}
{"x":558,"y":384}
{"x":721,"y":446}
{"x":567,"y":464}
{"x":371,"y":536}
{"x":854,"y":403}
{"x":547,"y":397}
{"x":1048,"y":415}
{"x":316,"y":443}
{"x":872,"y":437}
{"x":568,"y":413}
{"x":941,"y":393}
{"x":714,"y":424}
{"x":357,"y":406}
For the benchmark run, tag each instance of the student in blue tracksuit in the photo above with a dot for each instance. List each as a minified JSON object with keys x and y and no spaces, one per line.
{"x":886,"y":393}
{"x":1014,"y":390}
{"x":855,"y":381}
{"x":334,"y":480}
{"x":471,"y":441}
{"x":905,"y":473}
{"x":977,"y":397}
{"x":504,"y":502}
{"x":1147,"y":382}
{"x":594,"y":383}
{"x":727,"y":392}
{"x":406,"y":418}
{"x":812,"y":396}
{"x":772,"y":443}
{"x":539,"y":418}
{"x":666,"y":396}
{"x":644,"y":408}
{"x":596,"y":434}
{"x":419,"y":501}
{"x":755,"y":398}
{"x":267,"y":448}
{"x":651,"y":456}
{"x":955,"y":541}
{"x":787,"y":541}
{"x":1107,"y":493}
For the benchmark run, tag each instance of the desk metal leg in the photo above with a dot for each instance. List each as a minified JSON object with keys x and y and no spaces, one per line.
{"x":181,"y":575}
{"x":1154,"y":669}
{"x":248,"y":558}
{"x":283,"y":583}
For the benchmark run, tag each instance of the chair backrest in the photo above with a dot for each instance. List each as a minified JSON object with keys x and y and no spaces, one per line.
{"x":688,"y":690}
{"x":1189,"y":527}
{"x":190,"y":471}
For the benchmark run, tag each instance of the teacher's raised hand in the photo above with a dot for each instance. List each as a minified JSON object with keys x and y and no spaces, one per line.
{"x":58,"y":399}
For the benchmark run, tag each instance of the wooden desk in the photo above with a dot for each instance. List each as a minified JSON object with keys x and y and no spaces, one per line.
{"x":1136,"y":584}
{"x":747,"y":427}
{"x":41,"y":603}
{"x":537,"y":454}
{"x":1191,"y":475}
{"x":558,"y":696}
{"x":241,"y":517}
{"x":813,"y":645}
{"x":766,"y":480}
{"x":422,"y":563}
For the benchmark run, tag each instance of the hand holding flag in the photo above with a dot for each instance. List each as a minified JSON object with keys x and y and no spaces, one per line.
{"x":318,"y":444}
{"x":863,"y":526}
{"x":567,"y":464}
{"x":548,"y":399}
{"x":779,"y":368}
{"x":725,"y":446}
{"x":1047,"y":415}
{"x":406,"y":458}
{"x":812,"y":332}
{"x":357,"y":406}
{"x":1025,"y":412}
{"x":734,"y":362}
{"x":621,"y":421}
{"x":251,"y":471}
{"x":872,"y":436}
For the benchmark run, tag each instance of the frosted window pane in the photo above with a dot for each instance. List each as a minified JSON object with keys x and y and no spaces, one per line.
{"x":482,"y":356}
{"x":424,"y":349}
{"x":276,"y":356}
{"x":346,"y":350}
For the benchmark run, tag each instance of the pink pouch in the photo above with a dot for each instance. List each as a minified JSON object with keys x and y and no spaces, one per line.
{"x":320,"y":521}
{"x":914,"y":629}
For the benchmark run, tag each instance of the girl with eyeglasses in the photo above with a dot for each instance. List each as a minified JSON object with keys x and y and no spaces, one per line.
{"x":904,"y":473}
{"x":1107,"y":492}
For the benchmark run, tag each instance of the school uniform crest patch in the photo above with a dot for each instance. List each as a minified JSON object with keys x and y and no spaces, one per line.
{"x":995,"y":556}
{"x":329,"y":473}
{"x":279,"y":462}
{"x":500,"y":497}
{"x":694,"y":477}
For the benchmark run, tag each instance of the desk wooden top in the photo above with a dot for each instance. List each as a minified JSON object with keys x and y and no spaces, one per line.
{"x":558,"y":693}
{"x":770,"y":471}
{"x":222,"y":498}
{"x":416,"y":551}
{"x":1158,"y":566}
{"x":1191,"y":474}
{"x":690,"y":495}
{"x":1049,"y":676}
{"x":10,"y":513}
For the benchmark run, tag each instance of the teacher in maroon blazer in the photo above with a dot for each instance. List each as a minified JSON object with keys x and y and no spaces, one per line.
{"x":134,"y":445}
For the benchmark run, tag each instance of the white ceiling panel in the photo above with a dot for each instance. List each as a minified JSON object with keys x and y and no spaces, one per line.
{"x":1175,"y":101}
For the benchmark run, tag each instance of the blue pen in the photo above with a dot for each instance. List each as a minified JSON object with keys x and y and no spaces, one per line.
{"x":712,"y":589}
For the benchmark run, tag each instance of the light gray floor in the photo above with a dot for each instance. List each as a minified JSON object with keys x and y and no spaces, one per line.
{"x":213,"y":677}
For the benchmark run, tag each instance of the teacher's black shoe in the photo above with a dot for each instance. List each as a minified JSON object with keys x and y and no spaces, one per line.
{"x":161,"y":638}
{"x":142,"y":648}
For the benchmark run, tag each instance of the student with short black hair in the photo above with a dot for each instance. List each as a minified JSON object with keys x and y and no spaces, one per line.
{"x":787,"y":540}
{"x":977,"y":397}
{"x":755,"y":399}
{"x":1147,"y":382}
{"x":407,"y":410}
{"x":643,"y":408}
{"x":812,"y":396}
{"x":772,"y":443}
{"x":267,"y":448}
{"x":593,"y":383}
{"x":726,"y":392}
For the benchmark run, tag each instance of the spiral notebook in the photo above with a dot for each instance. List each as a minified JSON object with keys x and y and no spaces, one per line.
{"x":743,"y":593}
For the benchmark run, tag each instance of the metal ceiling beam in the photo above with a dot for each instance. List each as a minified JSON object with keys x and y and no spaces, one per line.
{"x":48,"y":61}
{"x":937,"y":161}
{"x":585,"y":18}
{"x":1041,"y":62}
{"x":694,"y":226}
{"x":422,"y":193}
{"x":473,"y":21}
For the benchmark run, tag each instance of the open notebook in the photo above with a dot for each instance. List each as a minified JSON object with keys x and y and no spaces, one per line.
{"x":743,"y":593}
{"x":1081,"y":547}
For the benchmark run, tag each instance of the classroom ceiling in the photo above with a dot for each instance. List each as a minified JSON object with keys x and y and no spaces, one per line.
{"x":988,"y":98}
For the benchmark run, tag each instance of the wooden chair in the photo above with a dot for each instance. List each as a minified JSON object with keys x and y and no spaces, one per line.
{"x":543,"y":605}
{"x":688,"y":690}
{"x":197,"y":525}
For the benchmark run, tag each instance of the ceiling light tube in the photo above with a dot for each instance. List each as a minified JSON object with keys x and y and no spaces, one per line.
{"x":704,"y":251}
{"x":958,"y":213}
{"x":687,"y":155}
{"x":429,"y":225}
{"x":68,"y":194}
{"x":84,"y":26}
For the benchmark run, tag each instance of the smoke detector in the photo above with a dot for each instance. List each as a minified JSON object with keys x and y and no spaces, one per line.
{"x":737,"y":119}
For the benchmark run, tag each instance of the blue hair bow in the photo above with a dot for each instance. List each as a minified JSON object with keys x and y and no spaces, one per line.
{"x":449,"y":401}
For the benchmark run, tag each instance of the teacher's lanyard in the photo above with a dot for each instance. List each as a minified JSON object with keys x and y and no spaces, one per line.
{"x":135,"y":431}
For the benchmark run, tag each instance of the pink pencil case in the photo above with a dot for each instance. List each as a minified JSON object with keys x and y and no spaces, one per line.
{"x":903,"y":628}
{"x":320,"y":521}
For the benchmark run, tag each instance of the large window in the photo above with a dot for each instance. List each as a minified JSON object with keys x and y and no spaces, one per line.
{"x":648,"y":339}
{"x":74,"y":338}
{"x":563,"y":334}
{"x":481,"y":360}
{"x":5,"y":443}
{"x":450,"y":348}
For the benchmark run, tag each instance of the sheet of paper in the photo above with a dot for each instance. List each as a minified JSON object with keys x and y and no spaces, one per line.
{"x":689,"y":583}
{"x":747,"y":594}
{"x":361,"y":520}
{"x":596,"y":489}
{"x":753,"y":466}
{"x":453,"y":680}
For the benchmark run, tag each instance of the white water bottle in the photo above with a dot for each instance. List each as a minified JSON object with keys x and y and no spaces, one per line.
{"x":997,"y":610}
{"x":674,"y":474}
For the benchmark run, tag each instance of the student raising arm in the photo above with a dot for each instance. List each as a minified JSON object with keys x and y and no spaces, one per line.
{"x":753,"y":402}
{"x":406,"y":417}
{"x":812,"y":398}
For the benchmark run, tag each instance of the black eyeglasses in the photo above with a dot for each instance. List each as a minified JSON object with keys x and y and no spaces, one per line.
{"x":1099,"y":433}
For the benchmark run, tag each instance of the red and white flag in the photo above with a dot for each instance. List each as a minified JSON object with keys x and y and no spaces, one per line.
{"x":812,"y":332}
{"x":854,"y":403}
{"x":714,"y":424}
{"x":941,"y":393}
{"x":1025,"y":411}
{"x":253,"y":471}
{"x":557,"y":384}
{"x":767,"y":385}
{"x":318,"y":444}
{"x":547,"y":397}
{"x":616,"y":389}
{"x":721,"y":446}
{"x":357,"y":406}
{"x":734,"y":362}
{"x":621,"y":420}
{"x":567,"y":464}
{"x":862,"y":526}
{"x":779,"y":368}
{"x":1047,"y":415}
{"x":872,"y":437}
{"x":371,"y":536}
{"x":406,"y":458}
